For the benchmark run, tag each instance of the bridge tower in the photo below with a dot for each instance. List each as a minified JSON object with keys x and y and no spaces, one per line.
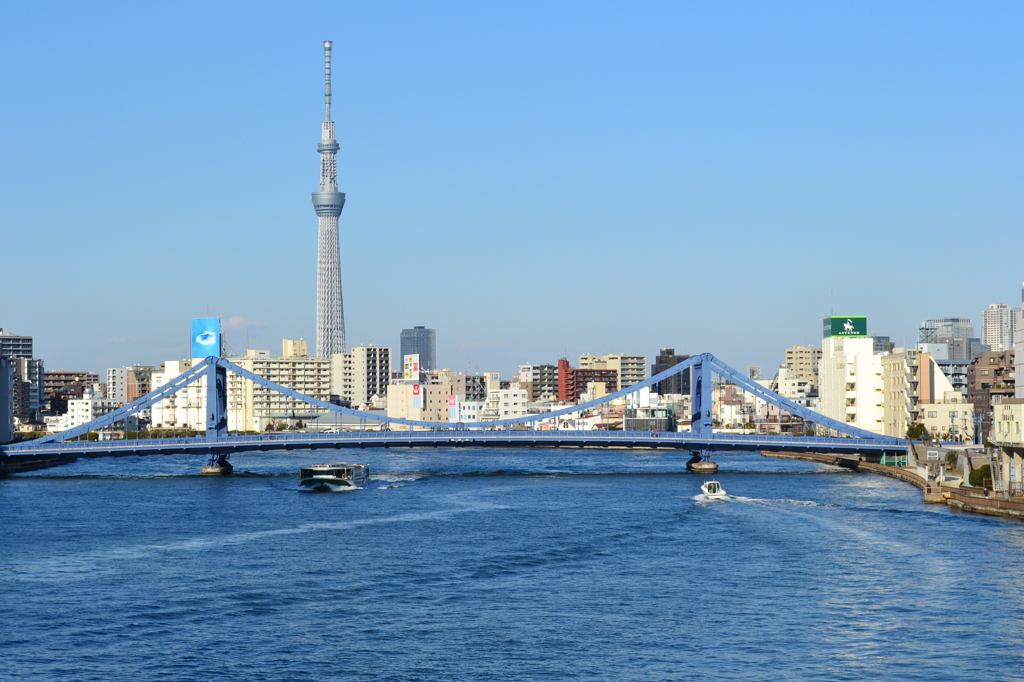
{"x":328,"y":202}
{"x":216,"y":420}
{"x":701,"y":420}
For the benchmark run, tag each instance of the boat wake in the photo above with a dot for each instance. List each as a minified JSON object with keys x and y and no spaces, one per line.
{"x":785,"y":501}
{"x":328,"y":488}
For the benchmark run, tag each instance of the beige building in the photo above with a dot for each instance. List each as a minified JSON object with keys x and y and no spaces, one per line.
{"x":420,"y":402}
{"x":252,"y":407}
{"x":1007,"y":433}
{"x":629,"y":369}
{"x":949,"y":418}
{"x":802,"y":363}
{"x":916,"y":390}
{"x":428,"y":402}
{"x":294,"y":348}
{"x":1007,"y":420}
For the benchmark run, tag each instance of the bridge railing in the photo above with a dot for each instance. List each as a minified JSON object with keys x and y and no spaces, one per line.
{"x":453,"y":435}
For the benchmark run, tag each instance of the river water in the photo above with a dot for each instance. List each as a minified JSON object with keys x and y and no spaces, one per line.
{"x":499,"y":565}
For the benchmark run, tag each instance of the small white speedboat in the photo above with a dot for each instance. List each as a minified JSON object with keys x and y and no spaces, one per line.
{"x":712,"y":490}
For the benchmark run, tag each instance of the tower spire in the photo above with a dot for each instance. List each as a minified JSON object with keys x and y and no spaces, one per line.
{"x":328,"y":202}
{"x":327,"y":78}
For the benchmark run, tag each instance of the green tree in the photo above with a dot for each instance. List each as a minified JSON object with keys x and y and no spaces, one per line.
{"x":915,"y":431}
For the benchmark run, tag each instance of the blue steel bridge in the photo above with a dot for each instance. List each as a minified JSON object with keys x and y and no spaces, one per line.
{"x":376,"y":430}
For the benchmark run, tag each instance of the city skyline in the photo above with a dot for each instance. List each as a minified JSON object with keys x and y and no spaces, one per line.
{"x":831,"y":187}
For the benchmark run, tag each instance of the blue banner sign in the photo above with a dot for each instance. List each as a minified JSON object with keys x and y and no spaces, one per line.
{"x":206,"y":337}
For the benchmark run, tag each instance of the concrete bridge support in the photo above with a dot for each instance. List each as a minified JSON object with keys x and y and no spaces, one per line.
{"x":217,"y":465}
{"x":701,"y":462}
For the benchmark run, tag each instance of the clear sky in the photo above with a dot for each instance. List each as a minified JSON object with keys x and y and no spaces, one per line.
{"x":530,"y":178}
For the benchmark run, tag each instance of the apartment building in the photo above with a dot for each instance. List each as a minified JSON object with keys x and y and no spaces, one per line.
{"x":802,"y":365}
{"x":361,"y":374}
{"x":539,"y":381}
{"x":677,"y":384}
{"x":629,"y":369}
{"x":915,"y":389}
{"x":253,"y":408}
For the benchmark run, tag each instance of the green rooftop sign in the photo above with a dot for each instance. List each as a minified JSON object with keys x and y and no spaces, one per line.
{"x":846,"y":326}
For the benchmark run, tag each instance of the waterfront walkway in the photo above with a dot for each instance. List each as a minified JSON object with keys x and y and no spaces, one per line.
{"x":964,"y":498}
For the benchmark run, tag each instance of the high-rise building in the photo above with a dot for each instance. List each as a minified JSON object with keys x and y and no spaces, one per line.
{"x":29,"y":375}
{"x":997,"y":327}
{"x":328,"y":202}
{"x":677,"y":384}
{"x":423,"y":342}
{"x":956,"y":333}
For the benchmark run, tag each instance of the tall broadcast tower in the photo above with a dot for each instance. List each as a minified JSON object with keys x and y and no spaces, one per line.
{"x":328,"y":202}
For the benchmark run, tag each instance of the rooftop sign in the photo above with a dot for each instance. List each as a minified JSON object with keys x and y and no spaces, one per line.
{"x":845,"y":326}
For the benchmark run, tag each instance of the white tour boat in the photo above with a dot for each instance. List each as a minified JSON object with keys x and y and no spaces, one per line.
{"x":334,"y":477}
{"x":712,"y":490}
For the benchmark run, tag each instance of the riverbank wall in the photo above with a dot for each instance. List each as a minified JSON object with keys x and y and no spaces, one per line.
{"x":964,"y":498}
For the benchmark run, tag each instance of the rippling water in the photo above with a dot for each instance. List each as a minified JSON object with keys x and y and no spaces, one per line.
{"x":499,"y":564}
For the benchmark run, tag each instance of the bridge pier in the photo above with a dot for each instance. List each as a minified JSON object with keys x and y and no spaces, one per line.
{"x":701,"y":462}
{"x":701,"y":421}
{"x":217,"y":465}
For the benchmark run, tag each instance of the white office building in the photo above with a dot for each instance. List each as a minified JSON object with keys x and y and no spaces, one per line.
{"x":504,"y":403}
{"x":997,"y":327}
{"x":850,"y":375}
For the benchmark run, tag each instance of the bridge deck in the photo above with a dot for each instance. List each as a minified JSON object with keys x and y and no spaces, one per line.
{"x":25,"y":456}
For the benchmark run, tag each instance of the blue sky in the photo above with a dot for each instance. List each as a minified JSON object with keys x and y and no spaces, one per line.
{"x":530,"y":179}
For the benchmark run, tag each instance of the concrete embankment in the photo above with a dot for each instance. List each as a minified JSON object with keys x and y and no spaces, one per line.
{"x":964,"y":498}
